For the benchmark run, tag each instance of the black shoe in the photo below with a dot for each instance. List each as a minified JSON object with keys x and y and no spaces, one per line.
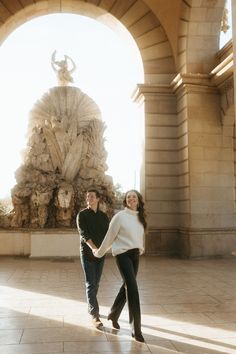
{"x":115,"y":324}
{"x":138,"y":337}
{"x":97,"y":322}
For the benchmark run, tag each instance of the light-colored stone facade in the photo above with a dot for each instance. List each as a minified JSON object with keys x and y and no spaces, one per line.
{"x":188,"y":177}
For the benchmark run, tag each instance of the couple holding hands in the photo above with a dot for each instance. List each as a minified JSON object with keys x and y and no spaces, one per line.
{"x":125,"y":236}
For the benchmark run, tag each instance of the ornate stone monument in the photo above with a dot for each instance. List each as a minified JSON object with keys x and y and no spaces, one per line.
{"x":64,"y":156}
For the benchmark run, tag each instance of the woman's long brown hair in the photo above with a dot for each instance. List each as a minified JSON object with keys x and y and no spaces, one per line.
{"x":141,"y":210}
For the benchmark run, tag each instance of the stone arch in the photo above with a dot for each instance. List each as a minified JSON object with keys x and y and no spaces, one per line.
{"x":199,"y":35}
{"x":161,"y":162}
{"x":135,"y":15}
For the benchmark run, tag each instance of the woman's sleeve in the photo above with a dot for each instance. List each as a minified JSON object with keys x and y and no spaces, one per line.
{"x":110,"y":236}
{"x":143,"y":248}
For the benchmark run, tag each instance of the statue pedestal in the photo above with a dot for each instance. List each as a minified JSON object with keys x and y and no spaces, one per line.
{"x":54,"y":243}
{"x":40,"y":243}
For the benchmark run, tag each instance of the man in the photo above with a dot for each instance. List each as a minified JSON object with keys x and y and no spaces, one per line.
{"x":92,"y":224}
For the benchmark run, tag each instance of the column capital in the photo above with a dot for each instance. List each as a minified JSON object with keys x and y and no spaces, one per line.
{"x":223,"y":73}
{"x":191,"y":82}
{"x":150,"y":91}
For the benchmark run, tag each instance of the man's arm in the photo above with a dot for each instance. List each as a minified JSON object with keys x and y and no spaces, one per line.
{"x":83,"y":230}
{"x":91,"y":244}
{"x":82,"y":227}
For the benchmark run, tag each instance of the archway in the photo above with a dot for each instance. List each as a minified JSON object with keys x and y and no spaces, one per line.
{"x":161,"y":162}
{"x":135,"y":15}
{"x":108,"y":79}
{"x":138,"y":21}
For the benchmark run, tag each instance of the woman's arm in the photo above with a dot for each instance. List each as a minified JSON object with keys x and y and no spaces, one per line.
{"x":110,"y":236}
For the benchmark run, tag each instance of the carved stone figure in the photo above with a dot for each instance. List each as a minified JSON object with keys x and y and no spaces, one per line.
{"x":65,"y":202}
{"x":62,"y":69}
{"x":20,"y":201}
{"x":39,"y":202}
{"x":65,"y":155}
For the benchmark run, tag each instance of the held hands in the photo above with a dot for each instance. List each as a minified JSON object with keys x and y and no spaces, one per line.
{"x":93,"y":247}
{"x":95,"y":251}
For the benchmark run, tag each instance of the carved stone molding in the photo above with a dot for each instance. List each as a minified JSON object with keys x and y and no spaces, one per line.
{"x":223,"y":72}
{"x":222,"y":77}
{"x":220,"y":81}
{"x":227,"y":102}
{"x":226,"y":85}
{"x":191,"y":82}
{"x":144,"y":91}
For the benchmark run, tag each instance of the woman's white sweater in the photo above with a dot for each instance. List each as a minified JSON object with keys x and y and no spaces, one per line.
{"x":125,"y":232}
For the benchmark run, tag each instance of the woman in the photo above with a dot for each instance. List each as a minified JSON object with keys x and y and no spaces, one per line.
{"x":126,"y":236}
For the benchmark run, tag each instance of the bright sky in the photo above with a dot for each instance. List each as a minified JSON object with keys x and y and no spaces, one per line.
{"x":108,"y":70}
{"x":225,"y":37}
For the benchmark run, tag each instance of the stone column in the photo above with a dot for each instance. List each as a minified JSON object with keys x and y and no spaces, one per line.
{"x":233,"y":6}
{"x":207,"y":224}
{"x":160,"y":171}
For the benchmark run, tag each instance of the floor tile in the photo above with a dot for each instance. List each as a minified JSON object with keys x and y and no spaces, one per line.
{"x":188,"y":306}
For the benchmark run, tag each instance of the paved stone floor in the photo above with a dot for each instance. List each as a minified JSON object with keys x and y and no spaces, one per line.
{"x":188,"y":306}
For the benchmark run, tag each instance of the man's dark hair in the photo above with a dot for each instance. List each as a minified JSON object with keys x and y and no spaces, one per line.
{"x":94,"y":191}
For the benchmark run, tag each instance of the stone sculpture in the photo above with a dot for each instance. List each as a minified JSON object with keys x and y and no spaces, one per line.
{"x":64,"y":156}
{"x":65,"y":203}
{"x":62,"y":69}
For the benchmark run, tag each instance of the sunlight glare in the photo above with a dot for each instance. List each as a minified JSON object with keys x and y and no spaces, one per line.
{"x":45,"y":309}
{"x":107,"y":70}
{"x":225,"y":37}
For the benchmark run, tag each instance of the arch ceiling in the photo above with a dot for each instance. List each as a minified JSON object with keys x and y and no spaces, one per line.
{"x":172,"y":36}
{"x":136,"y":16}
